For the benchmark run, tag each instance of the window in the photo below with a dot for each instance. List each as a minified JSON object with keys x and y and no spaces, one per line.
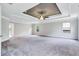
{"x":37,"y":29}
{"x":66,"y":26}
{"x":11,"y":29}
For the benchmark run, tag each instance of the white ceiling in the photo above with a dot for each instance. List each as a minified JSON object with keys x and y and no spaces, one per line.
{"x":14,"y":11}
{"x":15,"y":8}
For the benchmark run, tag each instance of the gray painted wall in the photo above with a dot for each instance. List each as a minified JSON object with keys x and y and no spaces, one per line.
{"x":54,"y":29}
{"x":19,"y":29}
{"x":5,"y":29}
{"x":78,"y":28}
{"x":0,"y":30}
{"x":22,"y":29}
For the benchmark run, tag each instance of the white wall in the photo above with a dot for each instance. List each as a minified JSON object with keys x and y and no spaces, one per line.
{"x":55,"y":29}
{"x":5,"y":29}
{"x":78,"y":28}
{"x":0,"y":21}
{"x":19,"y":29}
{"x":0,"y":30}
{"x":22,"y":29}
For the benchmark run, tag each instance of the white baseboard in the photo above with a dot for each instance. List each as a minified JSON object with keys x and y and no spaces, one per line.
{"x":2,"y":40}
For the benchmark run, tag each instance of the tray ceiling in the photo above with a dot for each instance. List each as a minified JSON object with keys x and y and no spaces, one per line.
{"x":43,"y":9}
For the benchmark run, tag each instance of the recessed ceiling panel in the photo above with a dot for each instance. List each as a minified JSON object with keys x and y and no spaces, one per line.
{"x":43,"y":9}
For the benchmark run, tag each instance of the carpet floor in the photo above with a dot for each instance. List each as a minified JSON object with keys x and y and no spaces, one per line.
{"x":40,"y":46}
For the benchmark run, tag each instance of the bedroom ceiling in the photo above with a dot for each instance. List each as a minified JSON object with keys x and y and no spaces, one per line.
{"x":43,"y":9}
{"x":14,"y":12}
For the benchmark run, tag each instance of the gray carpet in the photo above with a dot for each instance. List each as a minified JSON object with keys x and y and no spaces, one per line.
{"x":40,"y":46}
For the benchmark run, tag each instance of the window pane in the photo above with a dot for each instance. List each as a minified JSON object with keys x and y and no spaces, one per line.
{"x":66,"y":24}
{"x":11,"y":29}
